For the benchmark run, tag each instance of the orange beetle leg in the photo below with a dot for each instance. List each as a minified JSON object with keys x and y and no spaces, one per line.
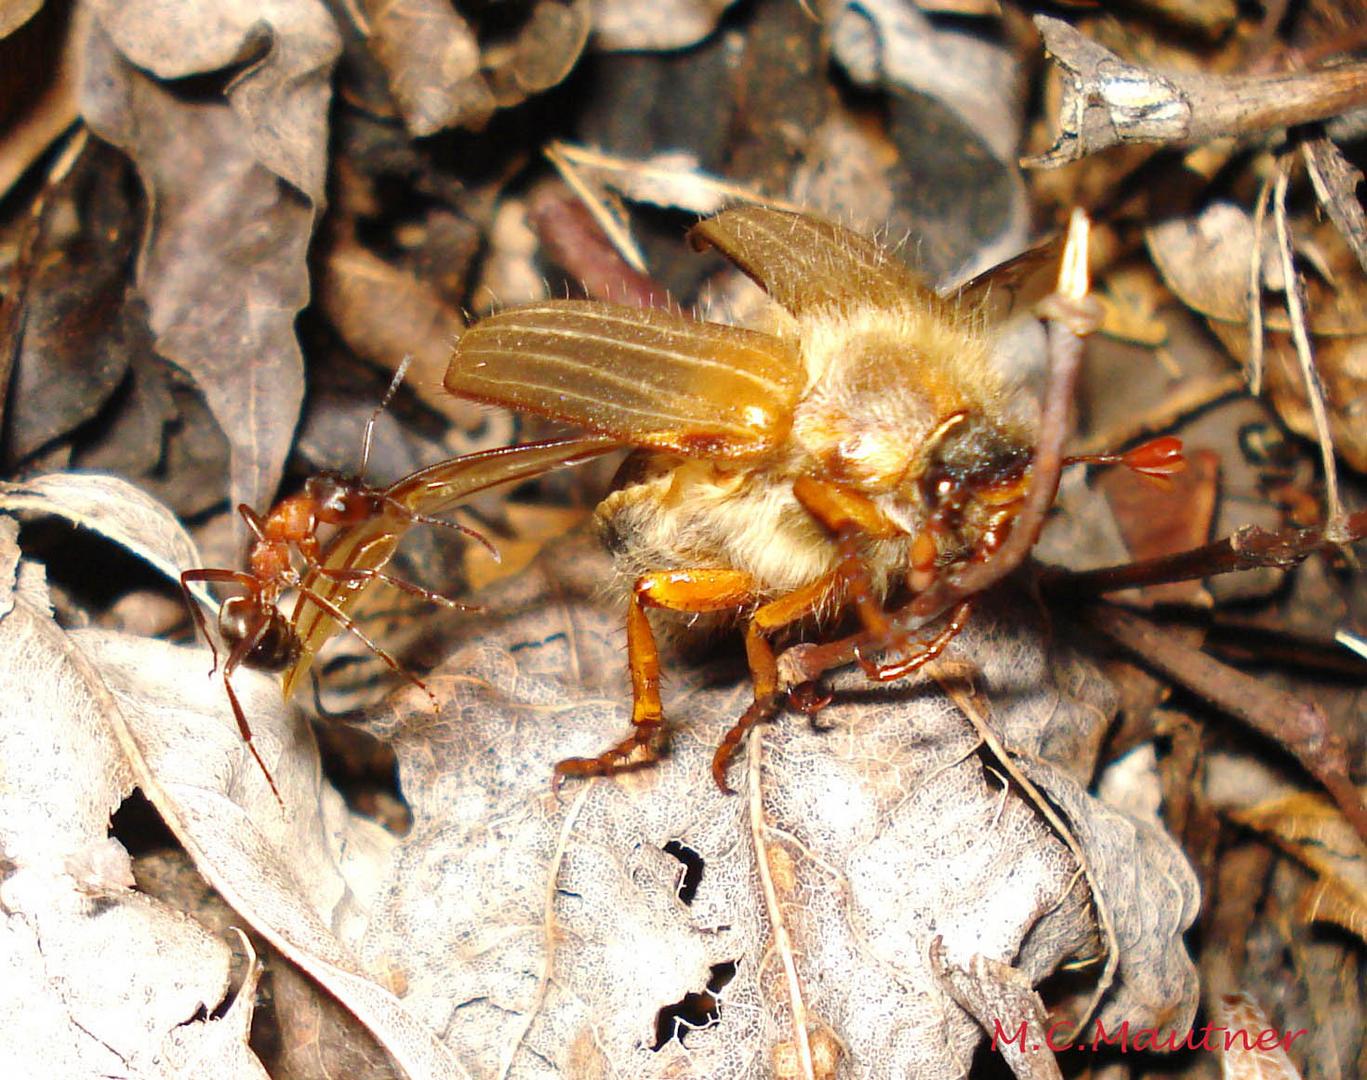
{"x":692,"y":591}
{"x":763,"y":665}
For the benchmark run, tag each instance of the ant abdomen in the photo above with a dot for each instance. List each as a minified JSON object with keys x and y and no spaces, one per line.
{"x":276,"y":645}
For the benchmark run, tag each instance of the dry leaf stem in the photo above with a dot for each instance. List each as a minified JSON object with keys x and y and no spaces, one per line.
{"x":543,"y":982}
{"x":783,"y":942}
{"x":976,"y":711}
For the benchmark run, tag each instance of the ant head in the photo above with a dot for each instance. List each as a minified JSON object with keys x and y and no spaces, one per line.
{"x":340,"y":500}
{"x":244,"y":617}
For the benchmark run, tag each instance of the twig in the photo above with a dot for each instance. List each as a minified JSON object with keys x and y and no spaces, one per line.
{"x":1301,"y":728}
{"x":1255,"y":290}
{"x":1314,"y":389}
{"x":1108,"y":101}
{"x":1246,"y":549}
{"x":1335,"y":180}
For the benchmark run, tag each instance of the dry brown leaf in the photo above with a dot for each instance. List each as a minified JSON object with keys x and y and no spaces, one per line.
{"x":956,"y":100}
{"x":1311,"y":827}
{"x":37,"y":83}
{"x":542,"y":52}
{"x":14,"y":13}
{"x":1001,"y":998}
{"x":302,"y":875}
{"x":443,"y":75}
{"x":432,"y":58}
{"x":1242,"y":1055}
{"x":384,"y":315}
{"x":1205,"y":259}
{"x":115,"y":509}
{"x":81,"y":331}
{"x":530,"y":930}
{"x":62,"y":899}
{"x":234,"y":180}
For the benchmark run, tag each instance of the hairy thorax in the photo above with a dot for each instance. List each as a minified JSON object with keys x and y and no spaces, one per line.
{"x":888,"y":394}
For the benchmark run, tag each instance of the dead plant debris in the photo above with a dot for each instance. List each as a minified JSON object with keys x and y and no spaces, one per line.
{"x":223,"y":226}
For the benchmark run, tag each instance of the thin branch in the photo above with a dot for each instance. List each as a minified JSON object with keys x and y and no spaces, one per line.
{"x":1300,"y":727}
{"x":1247,"y":549}
{"x":1108,"y":101}
{"x":1336,"y":180}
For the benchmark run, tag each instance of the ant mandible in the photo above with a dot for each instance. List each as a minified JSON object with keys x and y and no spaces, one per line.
{"x":257,"y":633}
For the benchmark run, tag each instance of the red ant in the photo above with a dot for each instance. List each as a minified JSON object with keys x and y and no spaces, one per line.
{"x":256,"y":631}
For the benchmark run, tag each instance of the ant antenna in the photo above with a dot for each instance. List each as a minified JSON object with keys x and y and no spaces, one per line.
{"x":399,"y":373}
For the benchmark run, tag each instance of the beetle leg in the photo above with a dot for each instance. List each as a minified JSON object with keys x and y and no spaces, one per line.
{"x":764,"y":667}
{"x":922,"y":653}
{"x":691,"y":591}
{"x":852,"y":518}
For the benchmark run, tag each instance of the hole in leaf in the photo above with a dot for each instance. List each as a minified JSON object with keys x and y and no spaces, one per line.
{"x":691,"y":873}
{"x":693,"y":1011}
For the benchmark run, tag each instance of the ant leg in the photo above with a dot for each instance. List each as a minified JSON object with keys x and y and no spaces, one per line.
{"x":350,"y":624}
{"x":764,"y":667}
{"x":442,"y":523}
{"x":236,"y":577}
{"x":693,"y":591}
{"x":359,"y":576}
{"x":240,"y":652}
{"x":254,"y":521}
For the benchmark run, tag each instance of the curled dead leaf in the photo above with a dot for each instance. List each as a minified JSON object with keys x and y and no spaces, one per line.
{"x":446,"y":71}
